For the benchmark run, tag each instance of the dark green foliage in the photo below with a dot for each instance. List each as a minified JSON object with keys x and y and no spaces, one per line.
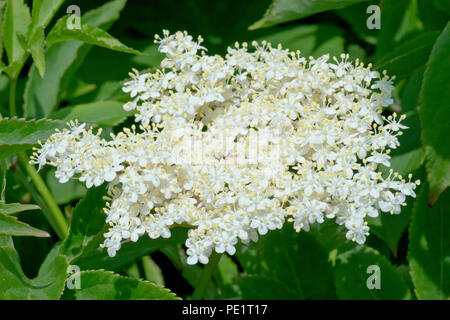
{"x":65,"y":74}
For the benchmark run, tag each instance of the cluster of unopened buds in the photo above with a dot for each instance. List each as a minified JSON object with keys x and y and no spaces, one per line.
{"x":236,"y":146}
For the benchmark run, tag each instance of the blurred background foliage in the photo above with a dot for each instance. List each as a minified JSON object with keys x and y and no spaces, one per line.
{"x":83,"y":82}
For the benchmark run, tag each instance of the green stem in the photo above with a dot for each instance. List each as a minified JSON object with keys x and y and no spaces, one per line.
{"x":56,"y":217}
{"x":200,"y":288}
{"x":34,"y":194}
{"x":12,"y":97}
{"x":3,"y":180}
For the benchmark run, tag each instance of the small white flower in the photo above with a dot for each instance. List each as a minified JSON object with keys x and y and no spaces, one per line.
{"x":357,"y":230}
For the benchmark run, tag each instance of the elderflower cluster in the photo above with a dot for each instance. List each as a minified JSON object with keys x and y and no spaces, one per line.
{"x":236,"y":146}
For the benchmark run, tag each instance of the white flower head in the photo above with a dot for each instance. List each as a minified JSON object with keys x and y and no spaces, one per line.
{"x":235,"y":146}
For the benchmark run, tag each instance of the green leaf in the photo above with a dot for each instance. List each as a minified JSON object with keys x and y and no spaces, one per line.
{"x":42,"y":95}
{"x":356,"y":16}
{"x":173,"y":253}
{"x":404,"y":271}
{"x":17,"y":21}
{"x":443,"y":5}
{"x":37,"y":49}
{"x":133,"y":271}
{"x":151,"y":56}
{"x":105,"y":14}
{"x":281,"y":11}
{"x":256,"y":287}
{"x":410,"y":92}
{"x":88,"y":220}
{"x":12,"y":70}
{"x":430,"y":16}
{"x":313,"y":39}
{"x":225,"y":280}
{"x":391,"y":227}
{"x":49,"y":283}
{"x":406,"y":57}
{"x":32,"y":250}
{"x":398,"y":17}
{"x":429,"y":247}
{"x":352,"y":276}
{"x":12,"y":208}
{"x":152,"y":271}
{"x":6,"y":241}
{"x":331,"y":238}
{"x":77,"y":88}
{"x":10,"y":226}
{"x":434,"y":114}
{"x":43,"y":11}
{"x":18,"y":134}
{"x":407,"y":162}
{"x":95,"y":257}
{"x":295,"y":259}
{"x":87,"y":34}
{"x":41,"y":14}
{"x":105,"y":285}
{"x":107,"y":113}
{"x":228,"y":269}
